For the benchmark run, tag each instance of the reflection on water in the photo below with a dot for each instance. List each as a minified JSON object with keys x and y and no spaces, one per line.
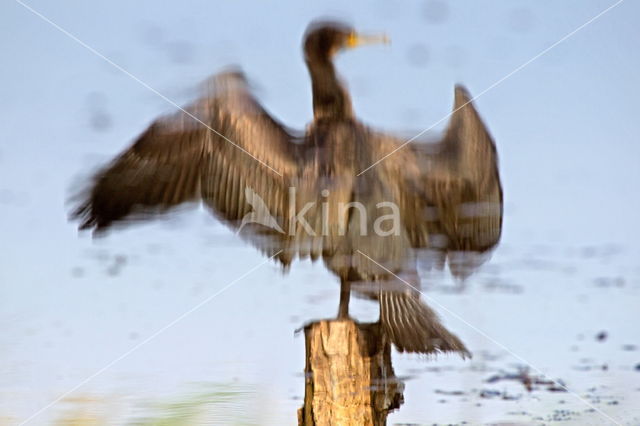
{"x":205,"y":404}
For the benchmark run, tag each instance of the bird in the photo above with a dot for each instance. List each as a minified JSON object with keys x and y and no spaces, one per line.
{"x":285,"y":191}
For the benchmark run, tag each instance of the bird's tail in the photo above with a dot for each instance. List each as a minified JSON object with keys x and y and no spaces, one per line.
{"x":414,"y":327}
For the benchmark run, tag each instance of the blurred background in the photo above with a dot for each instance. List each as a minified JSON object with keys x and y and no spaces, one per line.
{"x":561,"y":292}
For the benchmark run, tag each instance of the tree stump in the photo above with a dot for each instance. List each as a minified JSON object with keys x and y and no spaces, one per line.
{"x":349,"y":379}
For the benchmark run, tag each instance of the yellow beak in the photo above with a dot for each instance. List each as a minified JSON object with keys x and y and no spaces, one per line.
{"x":356,"y":39}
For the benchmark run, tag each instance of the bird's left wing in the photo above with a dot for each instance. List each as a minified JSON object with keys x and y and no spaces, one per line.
{"x":213,"y":150}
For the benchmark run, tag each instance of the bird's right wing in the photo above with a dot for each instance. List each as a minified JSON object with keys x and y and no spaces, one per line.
{"x":213,"y":150}
{"x":462,"y":181}
{"x":449,"y":192}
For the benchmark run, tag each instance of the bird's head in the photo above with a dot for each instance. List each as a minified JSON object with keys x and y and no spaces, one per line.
{"x":324,"y":39}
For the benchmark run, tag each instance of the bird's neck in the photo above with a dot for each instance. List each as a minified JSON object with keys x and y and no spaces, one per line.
{"x":330,"y":98}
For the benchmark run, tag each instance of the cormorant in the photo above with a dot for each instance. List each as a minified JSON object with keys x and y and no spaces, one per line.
{"x":226,"y":150}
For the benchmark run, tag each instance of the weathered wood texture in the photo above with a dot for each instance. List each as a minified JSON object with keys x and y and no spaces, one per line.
{"x":349,"y":379}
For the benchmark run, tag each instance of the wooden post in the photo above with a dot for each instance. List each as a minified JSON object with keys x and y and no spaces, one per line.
{"x":349,"y":379}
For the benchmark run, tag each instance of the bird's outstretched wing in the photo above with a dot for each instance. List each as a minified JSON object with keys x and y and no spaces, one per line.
{"x":450,"y":191}
{"x":224,"y":143}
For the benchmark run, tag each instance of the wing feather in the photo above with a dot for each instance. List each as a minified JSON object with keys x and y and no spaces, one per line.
{"x":180,"y":158}
{"x":463,"y":182}
{"x":449,"y":192}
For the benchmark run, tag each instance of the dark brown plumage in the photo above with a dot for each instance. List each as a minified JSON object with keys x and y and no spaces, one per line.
{"x":448,"y":193}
